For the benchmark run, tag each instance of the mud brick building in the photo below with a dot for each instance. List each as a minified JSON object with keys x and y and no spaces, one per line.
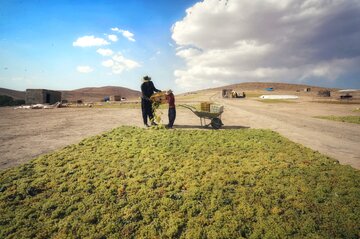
{"x":115,"y":98}
{"x":42,"y":96}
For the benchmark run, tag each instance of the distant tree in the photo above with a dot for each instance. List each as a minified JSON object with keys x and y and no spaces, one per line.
{"x":6,"y":100}
{"x":19,"y":102}
{"x":9,"y":101}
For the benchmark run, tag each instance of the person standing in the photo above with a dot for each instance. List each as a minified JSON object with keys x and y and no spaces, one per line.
{"x":172,"y":111}
{"x":147,"y":90}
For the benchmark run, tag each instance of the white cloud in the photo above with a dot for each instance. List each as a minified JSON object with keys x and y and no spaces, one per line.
{"x":119,"y":63}
{"x":125,"y":33}
{"x":224,"y":41}
{"x":128,"y":35}
{"x":84,"y":69}
{"x":87,"y":41}
{"x":188,"y":53}
{"x":108,"y":63}
{"x":105,"y":52}
{"x":113,"y":38}
{"x":127,"y":63}
{"x":118,"y":69}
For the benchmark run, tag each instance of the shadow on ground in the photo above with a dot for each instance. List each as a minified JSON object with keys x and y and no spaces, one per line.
{"x":209,"y":127}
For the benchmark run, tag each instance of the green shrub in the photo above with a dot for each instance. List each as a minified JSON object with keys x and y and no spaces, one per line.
{"x":9,"y":101}
{"x":6,"y":100}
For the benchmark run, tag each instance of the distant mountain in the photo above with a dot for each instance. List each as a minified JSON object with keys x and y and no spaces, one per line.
{"x":253,"y":86}
{"x":16,"y":95}
{"x":276,"y":86}
{"x":261,"y":86}
{"x":95,"y":94}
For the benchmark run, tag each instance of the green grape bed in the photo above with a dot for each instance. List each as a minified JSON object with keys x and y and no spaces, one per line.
{"x":154,"y":183}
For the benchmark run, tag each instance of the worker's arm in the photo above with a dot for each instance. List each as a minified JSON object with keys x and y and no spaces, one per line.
{"x":152,"y":85}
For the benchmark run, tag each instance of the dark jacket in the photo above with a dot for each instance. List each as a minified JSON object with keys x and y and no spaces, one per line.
{"x":147,"y":89}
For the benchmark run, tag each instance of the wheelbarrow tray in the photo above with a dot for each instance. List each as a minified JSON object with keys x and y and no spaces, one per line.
{"x":215,"y":118}
{"x":208,"y":115}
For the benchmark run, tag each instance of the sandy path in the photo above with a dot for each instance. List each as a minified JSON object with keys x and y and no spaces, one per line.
{"x":25,"y":134}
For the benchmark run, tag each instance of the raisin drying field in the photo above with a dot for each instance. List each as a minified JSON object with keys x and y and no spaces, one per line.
{"x":156,"y":183}
{"x":26,"y":134}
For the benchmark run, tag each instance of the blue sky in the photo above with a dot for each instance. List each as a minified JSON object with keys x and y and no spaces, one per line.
{"x":36,"y":42}
{"x":184,"y":45}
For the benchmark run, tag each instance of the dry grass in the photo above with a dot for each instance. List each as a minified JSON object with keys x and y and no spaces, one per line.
{"x":347,"y":119}
{"x":336,"y":102}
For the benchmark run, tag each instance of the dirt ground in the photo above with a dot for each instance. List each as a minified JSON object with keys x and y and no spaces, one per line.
{"x":26,"y":134}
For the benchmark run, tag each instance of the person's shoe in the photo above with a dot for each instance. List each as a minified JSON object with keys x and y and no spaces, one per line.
{"x":153,"y":123}
{"x":146,"y":126}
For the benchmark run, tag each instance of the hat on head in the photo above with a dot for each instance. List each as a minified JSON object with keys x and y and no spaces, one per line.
{"x":146,"y":78}
{"x":169,"y":91}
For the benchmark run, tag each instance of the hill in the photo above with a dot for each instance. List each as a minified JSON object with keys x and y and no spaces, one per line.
{"x":255,"y":86}
{"x":258,"y":88}
{"x":16,"y":95}
{"x":286,"y":88}
{"x":98,"y":93}
{"x":85,"y":94}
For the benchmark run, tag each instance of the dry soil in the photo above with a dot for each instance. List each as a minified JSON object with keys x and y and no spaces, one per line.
{"x":26,"y":134}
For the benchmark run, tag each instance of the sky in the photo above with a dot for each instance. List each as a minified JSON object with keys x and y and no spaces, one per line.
{"x":182,"y":45}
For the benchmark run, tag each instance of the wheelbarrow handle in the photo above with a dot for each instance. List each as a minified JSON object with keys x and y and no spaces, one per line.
{"x":192,"y":108}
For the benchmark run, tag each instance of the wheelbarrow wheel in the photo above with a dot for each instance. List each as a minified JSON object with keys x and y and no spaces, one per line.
{"x":216,"y":123}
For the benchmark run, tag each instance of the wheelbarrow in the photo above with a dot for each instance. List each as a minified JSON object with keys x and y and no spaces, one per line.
{"x":215,"y":118}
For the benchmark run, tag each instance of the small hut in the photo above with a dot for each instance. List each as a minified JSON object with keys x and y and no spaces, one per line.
{"x":324,"y":93}
{"x":349,"y":94}
{"x":42,"y":96}
{"x":115,"y":98}
{"x":226,"y":93}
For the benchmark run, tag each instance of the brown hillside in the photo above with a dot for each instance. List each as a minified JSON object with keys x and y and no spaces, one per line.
{"x":95,"y":94}
{"x":16,"y":95}
{"x":256,"y":86}
{"x":260,"y":88}
{"x":278,"y":88}
{"x":89,"y":94}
